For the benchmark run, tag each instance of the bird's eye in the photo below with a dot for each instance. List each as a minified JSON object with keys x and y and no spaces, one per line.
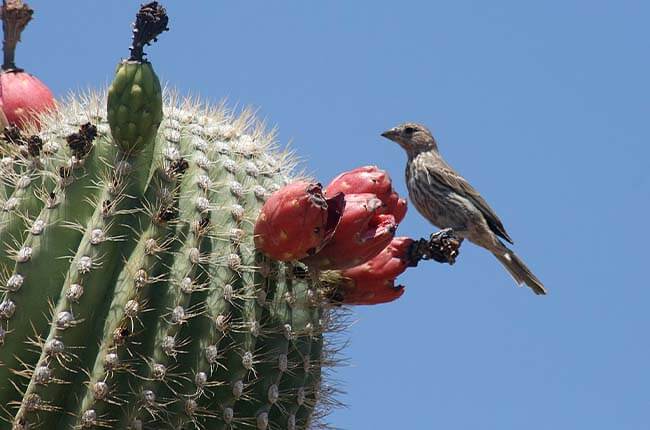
{"x":409,"y":130}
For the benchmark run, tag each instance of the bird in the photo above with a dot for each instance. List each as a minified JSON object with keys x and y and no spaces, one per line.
{"x":448,"y":200}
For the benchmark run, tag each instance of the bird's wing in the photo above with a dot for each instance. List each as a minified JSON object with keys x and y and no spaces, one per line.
{"x":448,"y":176}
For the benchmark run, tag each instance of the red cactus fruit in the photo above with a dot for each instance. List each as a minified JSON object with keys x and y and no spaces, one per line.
{"x":370,"y":179}
{"x":365,"y":179}
{"x":373,"y":282}
{"x":296,"y":221}
{"x":22,"y":96}
{"x":362,"y":233}
{"x":396,"y":206}
{"x":371,"y":292}
{"x":388,"y":264}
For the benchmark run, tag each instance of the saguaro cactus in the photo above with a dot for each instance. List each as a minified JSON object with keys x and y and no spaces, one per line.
{"x":132,"y":294}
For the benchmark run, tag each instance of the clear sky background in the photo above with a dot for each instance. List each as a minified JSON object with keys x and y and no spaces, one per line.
{"x":543,"y":106}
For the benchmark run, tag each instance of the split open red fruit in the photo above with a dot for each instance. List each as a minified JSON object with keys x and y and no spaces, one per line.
{"x":373,"y":282}
{"x":362,"y":233}
{"x":371,"y":180}
{"x":296,"y":221}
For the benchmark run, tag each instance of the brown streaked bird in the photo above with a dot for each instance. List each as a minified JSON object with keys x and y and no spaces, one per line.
{"x":447,"y":200}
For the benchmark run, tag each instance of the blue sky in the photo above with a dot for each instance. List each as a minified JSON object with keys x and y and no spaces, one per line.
{"x":543,"y":106}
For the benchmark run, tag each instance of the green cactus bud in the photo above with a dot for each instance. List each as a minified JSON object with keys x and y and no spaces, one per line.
{"x":134,"y":105}
{"x":135,"y":96}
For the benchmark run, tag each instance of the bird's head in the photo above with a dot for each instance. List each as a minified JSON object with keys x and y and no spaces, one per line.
{"x":413,"y":137}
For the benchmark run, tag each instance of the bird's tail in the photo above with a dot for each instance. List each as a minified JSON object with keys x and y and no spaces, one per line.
{"x":518,"y":270}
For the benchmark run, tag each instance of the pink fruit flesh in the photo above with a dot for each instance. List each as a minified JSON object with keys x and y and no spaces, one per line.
{"x":362,"y":233}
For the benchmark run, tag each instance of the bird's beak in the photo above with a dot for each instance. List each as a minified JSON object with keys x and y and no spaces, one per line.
{"x":390,"y":134}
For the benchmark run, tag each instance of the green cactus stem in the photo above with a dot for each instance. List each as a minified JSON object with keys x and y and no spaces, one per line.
{"x":39,"y":259}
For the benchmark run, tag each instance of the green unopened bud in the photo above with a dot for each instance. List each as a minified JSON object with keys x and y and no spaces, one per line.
{"x":134,"y":105}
